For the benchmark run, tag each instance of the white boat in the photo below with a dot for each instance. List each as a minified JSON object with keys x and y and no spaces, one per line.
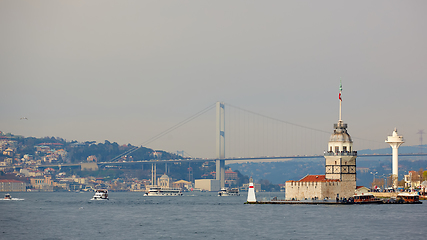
{"x":100,"y":194}
{"x":8,"y":197}
{"x":229,"y":192}
{"x":158,"y":191}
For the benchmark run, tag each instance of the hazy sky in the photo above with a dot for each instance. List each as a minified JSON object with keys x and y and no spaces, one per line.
{"x":124,"y":71}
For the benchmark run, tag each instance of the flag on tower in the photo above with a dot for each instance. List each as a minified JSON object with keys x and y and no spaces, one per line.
{"x":339,"y":96}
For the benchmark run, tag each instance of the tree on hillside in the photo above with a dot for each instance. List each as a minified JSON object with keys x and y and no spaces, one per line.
{"x":241,"y":179}
{"x":267,"y":186}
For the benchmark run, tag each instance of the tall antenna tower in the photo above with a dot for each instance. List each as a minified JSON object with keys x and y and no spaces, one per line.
{"x":421,"y":132}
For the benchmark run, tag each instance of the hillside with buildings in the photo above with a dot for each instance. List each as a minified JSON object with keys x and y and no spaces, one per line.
{"x":20,"y":156}
{"x":54,"y":164}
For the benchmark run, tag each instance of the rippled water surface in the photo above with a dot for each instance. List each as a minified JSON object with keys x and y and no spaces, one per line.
{"x":200,"y":216}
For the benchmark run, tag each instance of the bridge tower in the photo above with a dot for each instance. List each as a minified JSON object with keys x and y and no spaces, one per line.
{"x":220,"y":143}
{"x":395,"y":141}
{"x":153,"y":174}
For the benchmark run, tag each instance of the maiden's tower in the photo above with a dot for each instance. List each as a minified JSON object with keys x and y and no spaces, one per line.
{"x":339,"y":180}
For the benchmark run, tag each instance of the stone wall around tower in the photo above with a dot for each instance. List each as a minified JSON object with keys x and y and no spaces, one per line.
{"x":300,"y":190}
{"x":296,"y":190}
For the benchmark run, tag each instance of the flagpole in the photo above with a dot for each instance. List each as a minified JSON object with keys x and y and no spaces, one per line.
{"x":340,"y":120}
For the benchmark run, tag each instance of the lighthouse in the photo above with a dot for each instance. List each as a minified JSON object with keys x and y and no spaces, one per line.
{"x":251,"y":192}
{"x":395,"y":141}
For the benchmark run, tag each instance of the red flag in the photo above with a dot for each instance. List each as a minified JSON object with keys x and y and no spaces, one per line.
{"x":340,"y":97}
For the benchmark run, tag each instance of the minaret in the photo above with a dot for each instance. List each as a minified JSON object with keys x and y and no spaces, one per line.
{"x":340,"y":159}
{"x":395,"y":141}
{"x":251,"y":192}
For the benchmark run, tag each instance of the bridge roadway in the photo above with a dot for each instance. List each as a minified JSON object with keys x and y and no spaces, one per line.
{"x":247,"y":159}
{"x":229,"y":160}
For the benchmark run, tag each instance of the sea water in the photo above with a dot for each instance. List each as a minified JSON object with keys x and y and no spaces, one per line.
{"x":196,"y":215}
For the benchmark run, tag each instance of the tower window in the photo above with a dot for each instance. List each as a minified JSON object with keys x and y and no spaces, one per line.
{"x":337,"y":149}
{"x":330,"y":149}
{"x":344,"y":148}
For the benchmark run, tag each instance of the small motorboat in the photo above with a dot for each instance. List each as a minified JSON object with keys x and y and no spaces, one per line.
{"x":7,"y":196}
{"x":100,"y":194}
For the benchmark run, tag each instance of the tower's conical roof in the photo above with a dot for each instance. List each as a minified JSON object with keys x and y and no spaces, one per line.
{"x":340,"y":133}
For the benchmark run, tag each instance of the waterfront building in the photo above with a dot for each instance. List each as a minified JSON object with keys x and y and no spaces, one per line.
{"x":135,"y":186}
{"x":8,"y":185}
{"x":182,"y":184}
{"x":360,"y":190}
{"x":44,"y":183}
{"x":339,"y":180}
{"x":412,"y":180}
{"x":207,"y":184}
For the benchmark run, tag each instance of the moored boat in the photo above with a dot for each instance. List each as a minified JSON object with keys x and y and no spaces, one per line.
{"x":406,"y":197}
{"x":158,"y":191}
{"x":366,"y":198}
{"x":100,"y":194}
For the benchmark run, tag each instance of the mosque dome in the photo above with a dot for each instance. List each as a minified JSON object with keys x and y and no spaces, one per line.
{"x":164,"y":176}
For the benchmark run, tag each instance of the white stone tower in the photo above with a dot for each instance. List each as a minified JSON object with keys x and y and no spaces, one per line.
{"x":340,"y":159}
{"x":395,"y":141}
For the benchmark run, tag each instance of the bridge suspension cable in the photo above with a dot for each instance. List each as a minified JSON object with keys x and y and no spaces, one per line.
{"x":278,"y":120}
{"x":161,"y":134}
{"x":251,"y":134}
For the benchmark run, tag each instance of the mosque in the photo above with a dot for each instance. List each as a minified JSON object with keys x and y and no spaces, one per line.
{"x":339,"y":180}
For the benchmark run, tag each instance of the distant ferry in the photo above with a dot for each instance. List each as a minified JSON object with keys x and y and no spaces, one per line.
{"x":7,"y":196}
{"x":229,"y":192}
{"x":158,"y":191}
{"x":100,"y":194}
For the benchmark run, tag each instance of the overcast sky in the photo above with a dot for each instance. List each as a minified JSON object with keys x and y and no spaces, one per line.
{"x":125,"y":71}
